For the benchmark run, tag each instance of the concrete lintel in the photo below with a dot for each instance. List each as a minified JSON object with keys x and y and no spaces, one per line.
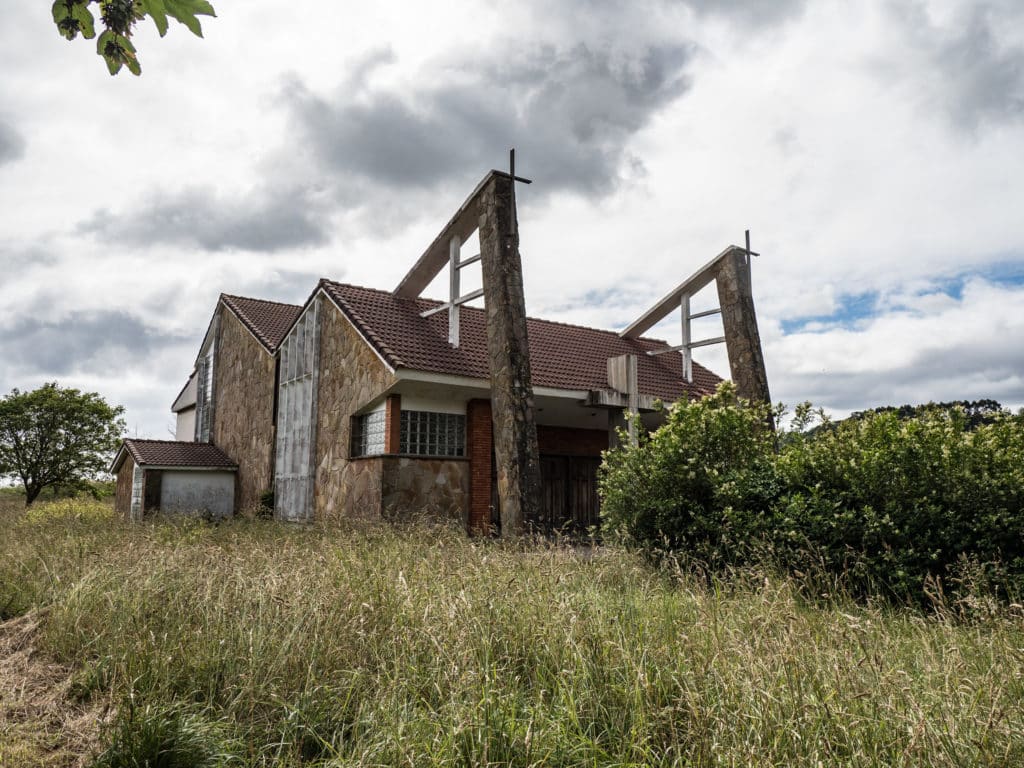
{"x":604,"y":398}
{"x":463,"y":224}
{"x":670,"y":303}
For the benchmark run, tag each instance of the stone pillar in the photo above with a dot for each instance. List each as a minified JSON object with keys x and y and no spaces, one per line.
{"x":478,"y":448}
{"x":742,"y":340}
{"x":515,"y":432}
{"x":393,"y":424}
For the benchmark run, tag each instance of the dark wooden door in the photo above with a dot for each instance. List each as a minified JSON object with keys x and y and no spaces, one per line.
{"x":554,"y":483}
{"x":569,"y":499}
{"x":583,"y":499}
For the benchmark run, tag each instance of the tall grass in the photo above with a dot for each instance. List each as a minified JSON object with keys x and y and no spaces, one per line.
{"x":254,"y":643}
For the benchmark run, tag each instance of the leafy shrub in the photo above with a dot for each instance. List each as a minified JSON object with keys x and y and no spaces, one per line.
{"x":699,"y":483}
{"x":894,"y":501}
{"x":889,"y":501}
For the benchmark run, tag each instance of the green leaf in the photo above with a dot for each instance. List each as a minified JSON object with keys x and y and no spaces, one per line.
{"x":64,"y":18}
{"x":60,"y":11}
{"x":158,"y":12}
{"x":185,"y":11}
{"x":117,"y":50}
{"x":85,"y":20}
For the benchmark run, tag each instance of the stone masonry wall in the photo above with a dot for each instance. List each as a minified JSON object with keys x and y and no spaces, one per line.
{"x":243,"y":414}
{"x":123,"y":492}
{"x":351,"y":375}
{"x":413,"y":487}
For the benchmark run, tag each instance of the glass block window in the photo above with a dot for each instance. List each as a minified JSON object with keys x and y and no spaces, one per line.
{"x":368,"y":434}
{"x":426,"y":433}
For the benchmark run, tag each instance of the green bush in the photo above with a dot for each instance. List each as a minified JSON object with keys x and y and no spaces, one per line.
{"x":895,"y":502}
{"x":887,"y":502}
{"x":698,"y":484}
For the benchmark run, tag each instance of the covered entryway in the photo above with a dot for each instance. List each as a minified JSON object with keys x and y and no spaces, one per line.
{"x":569,"y":500}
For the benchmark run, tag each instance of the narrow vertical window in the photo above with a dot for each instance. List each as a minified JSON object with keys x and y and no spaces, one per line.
{"x":136,"y":506}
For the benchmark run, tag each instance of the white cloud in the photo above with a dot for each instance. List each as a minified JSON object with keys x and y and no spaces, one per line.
{"x":873,"y":149}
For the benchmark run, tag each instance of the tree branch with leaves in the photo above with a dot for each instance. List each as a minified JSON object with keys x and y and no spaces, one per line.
{"x":118,"y":19}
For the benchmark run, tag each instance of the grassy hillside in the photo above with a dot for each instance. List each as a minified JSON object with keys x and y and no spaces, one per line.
{"x":254,"y":643}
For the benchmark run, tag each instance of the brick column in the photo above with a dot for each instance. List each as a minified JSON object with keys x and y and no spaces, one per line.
{"x":393,"y":424}
{"x":478,"y":448}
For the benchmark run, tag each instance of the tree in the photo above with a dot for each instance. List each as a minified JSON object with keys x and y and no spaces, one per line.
{"x":54,"y":436}
{"x":119,"y":18}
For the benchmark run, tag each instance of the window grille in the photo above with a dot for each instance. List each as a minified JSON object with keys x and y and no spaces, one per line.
{"x":425,"y":433}
{"x":368,"y":435}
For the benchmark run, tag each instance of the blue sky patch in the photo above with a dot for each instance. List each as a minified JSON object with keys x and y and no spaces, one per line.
{"x":854,"y":308}
{"x":851,"y":309}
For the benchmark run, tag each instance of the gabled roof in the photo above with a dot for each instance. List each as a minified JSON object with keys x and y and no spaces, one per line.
{"x":172,"y":453}
{"x":268,"y":321}
{"x":562,"y":356}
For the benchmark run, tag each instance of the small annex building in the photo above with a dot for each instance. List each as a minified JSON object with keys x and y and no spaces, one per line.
{"x":173,"y":477}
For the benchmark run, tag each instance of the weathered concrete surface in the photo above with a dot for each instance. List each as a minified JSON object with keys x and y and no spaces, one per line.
{"x":350,"y":376}
{"x":206,"y":493}
{"x":515,"y":432}
{"x":244,"y":406}
{"x":743,"y":341}
{"x":185,"y":425}
{"x":123,"y":490}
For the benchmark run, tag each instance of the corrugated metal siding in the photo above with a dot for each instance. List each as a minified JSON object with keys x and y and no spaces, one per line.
{"x":296,"y":418}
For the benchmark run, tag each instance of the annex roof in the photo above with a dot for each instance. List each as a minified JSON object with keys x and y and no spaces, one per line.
{"x":562,"y":356}
{"x":268,"y":321}
{"x":172,"y":453}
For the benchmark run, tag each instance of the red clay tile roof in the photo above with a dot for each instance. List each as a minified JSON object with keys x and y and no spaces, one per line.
{"x":561,"y":356}
{"x":173,"y":453}
{"x":269,"y":321}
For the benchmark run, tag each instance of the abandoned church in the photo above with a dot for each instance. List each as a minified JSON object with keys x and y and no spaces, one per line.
{"x":382,"y":404}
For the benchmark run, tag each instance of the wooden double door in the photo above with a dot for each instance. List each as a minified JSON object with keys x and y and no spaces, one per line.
{"x":569,"y":500}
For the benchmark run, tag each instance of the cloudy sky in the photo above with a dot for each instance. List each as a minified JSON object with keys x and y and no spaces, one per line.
{"x":875,"y":150}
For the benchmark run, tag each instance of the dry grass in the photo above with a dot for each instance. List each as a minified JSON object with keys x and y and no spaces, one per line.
{"x":41,"y":722}
{"x":254,"y":643}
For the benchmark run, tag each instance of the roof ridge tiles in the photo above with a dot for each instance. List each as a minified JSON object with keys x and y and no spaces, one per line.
{"x":262,"y":327}
{"x":262,"y":301}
